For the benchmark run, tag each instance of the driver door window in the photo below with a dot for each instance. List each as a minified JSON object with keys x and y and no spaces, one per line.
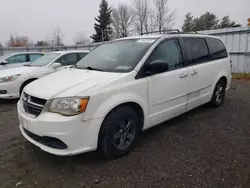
{"x":17,"y":59}
{"x":170,"y":52}
{"x":68,"y":59}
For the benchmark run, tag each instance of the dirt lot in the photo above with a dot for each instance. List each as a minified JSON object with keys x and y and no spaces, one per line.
{"x":203,"y":148}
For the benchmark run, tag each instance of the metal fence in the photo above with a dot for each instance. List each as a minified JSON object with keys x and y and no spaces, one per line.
{"x":7,"y":50}
{"x":237,"y":41}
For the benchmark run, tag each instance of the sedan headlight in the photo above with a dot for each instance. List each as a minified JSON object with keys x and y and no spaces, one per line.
{"x":9,"y":78}
{"x":68,"y":106}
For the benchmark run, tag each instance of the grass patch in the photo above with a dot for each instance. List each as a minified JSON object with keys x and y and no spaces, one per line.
{"x":241,"y":76}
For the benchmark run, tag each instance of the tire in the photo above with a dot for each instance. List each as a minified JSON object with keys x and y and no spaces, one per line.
{"x":219,"y":94}
{"x":119,"y":132}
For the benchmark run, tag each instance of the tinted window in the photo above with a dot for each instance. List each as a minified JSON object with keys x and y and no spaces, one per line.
{"x":34,"y":57}
{"x":216,"y":48}
{"x":196,"y":50}
{"x":69,"y":59}
{"x":170,"y":52}
{"x":82,"y":55}
{"x":17,"y":59}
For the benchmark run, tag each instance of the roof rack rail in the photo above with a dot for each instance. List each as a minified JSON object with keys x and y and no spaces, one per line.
{"x":162,"y":32}
{"x":183,"y":32}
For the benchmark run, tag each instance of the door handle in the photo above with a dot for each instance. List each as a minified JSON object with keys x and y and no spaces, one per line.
{"x":183,"y":75}
{"x":194,"y":72}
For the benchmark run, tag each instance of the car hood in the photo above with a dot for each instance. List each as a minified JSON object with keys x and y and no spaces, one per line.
{"x":67,"y":83}
{"x":17,"y":70}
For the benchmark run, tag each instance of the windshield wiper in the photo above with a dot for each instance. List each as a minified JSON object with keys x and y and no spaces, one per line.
{"x":95,"y":69}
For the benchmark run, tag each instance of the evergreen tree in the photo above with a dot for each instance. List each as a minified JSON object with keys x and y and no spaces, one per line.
{"x":227,"y":23}
{"x":103,"y":26}
{"x":206,"y":21}
{"x":188,"y":23}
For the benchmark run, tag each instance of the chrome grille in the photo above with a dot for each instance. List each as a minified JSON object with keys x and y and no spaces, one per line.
{"x":33,"y":105}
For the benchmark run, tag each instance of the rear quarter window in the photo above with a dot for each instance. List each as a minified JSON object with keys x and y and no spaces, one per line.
{"x":216,"y":48}
{"x":195,"y":50}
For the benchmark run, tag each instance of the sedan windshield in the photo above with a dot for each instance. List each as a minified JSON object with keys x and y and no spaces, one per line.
{"x":44,"y":60}
{"x":116,"y":56}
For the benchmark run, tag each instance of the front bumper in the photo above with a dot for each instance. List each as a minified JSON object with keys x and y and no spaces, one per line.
{"x":12,"y":89}
{"x":78,"y":135}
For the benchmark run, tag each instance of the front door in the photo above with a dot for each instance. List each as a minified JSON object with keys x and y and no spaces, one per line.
{"x":168,"y":90}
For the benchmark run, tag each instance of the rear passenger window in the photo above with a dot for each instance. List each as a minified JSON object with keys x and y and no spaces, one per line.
{"x":196,"y":50}
{"x":216,"y":48}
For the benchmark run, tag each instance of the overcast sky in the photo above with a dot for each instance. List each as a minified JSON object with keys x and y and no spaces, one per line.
{"x":37,"y":18}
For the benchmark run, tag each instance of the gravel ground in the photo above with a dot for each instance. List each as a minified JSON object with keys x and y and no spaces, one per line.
{"x":203,"y":148}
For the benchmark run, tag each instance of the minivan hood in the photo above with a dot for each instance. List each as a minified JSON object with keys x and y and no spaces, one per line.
{"x":67,"y":83}
{"x":17,"y":70}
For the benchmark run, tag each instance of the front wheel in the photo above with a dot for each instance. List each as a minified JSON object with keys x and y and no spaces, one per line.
{"x":119,"y":132}
{"x":219,"y":94}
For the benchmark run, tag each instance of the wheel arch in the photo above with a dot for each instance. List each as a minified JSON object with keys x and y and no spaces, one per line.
{"x":222,"y":75}
{"x":25,"y":83}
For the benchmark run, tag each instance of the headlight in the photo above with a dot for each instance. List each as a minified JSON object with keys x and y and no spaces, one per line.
{"x":69,"y":106}
{"x":9,"y":78}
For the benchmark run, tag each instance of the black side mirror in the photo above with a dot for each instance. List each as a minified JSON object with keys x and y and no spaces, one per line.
{"x":156,"y":67}
{"x":4,"y":63}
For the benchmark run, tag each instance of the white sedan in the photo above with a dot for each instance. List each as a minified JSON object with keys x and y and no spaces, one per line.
{"x":13,"y":60}
{"x":12,"y":81}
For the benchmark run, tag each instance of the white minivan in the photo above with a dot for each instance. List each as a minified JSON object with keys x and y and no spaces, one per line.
{"x":121,"y":88}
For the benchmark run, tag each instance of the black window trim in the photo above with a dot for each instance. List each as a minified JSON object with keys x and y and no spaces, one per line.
{"x":141,"y":73}
{"x":27,"y":58}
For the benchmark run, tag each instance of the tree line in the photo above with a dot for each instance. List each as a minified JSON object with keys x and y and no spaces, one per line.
{"x":142,"y":16}
{"x":207,"y":21}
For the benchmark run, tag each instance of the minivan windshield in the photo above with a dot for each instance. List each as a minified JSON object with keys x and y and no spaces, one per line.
{"x":116,"y":56}
{"x":44,"y":60}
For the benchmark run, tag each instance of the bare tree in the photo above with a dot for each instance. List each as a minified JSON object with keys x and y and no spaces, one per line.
{"x":150,"y":24}
{"x":122,"y":20}
{"x":141,"y":13}
{"x":18,"y":41}
{"x":81,"y":39}
{"x":58,"y":37}
{"x":163,"y":16}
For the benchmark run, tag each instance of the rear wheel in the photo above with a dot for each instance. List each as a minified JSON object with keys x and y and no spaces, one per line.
{"x":219,"y":94}
{"x":119,"y":132}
